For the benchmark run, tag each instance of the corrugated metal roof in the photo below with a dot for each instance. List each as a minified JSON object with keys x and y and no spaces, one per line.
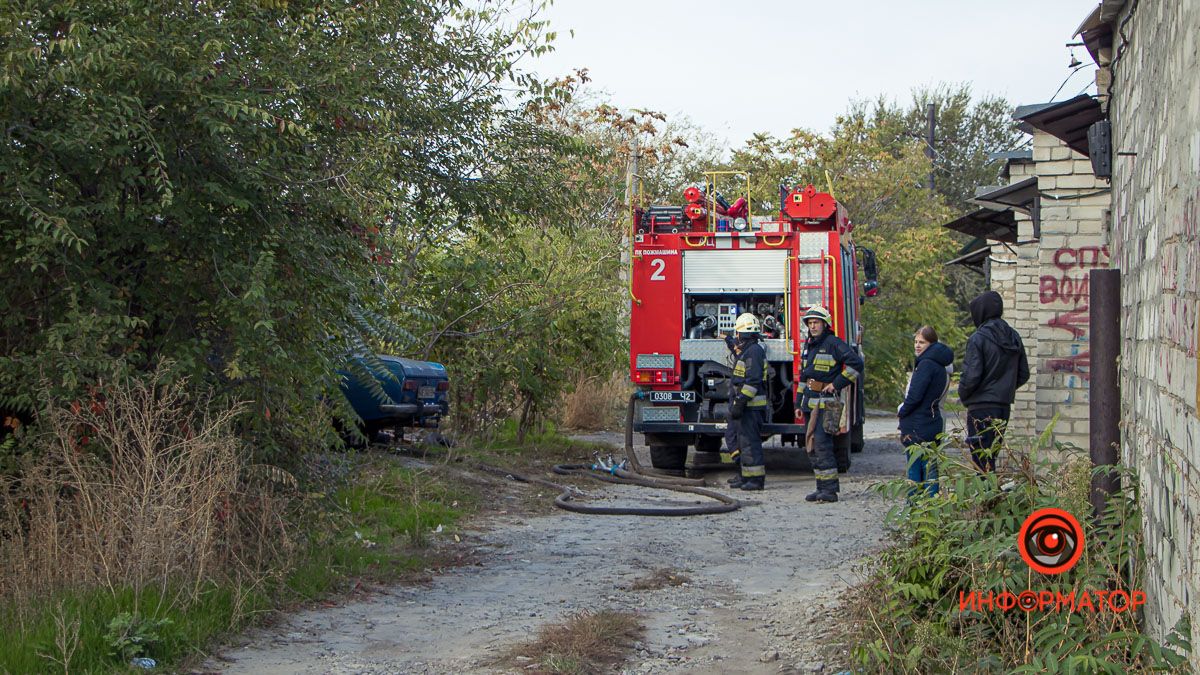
{"x":987,"y":224}
{"x":1011,"y":155}
{"x":975,"y":258}
{"x":1066,"y":120}
{"x":1021,"y":196}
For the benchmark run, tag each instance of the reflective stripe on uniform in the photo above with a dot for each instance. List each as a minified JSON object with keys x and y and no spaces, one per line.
{"x":749,"y":391}
{"x":826,"y":474}
{"x":757,"y":402}
{"x":752,"y":471}
{"x":850,"y":373}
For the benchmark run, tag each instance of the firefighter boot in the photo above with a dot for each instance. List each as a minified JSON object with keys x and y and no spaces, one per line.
{"x":753,"y":483}
{"x":736,"y":481}
{"x":820,"y":496}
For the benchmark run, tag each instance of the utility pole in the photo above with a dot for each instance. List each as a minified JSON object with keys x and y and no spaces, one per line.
{"x":931,"y":110}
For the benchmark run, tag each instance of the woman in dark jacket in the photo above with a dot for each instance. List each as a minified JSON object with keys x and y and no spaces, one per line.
{"x":921,"y":413}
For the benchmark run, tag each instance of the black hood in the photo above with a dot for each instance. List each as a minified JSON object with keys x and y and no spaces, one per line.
{"x":998,"y":331}
{"x":985,"y":307}
{"x":938,"y":353}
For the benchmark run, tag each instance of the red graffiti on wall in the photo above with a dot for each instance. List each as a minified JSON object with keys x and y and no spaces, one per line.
{"x":1076,"y":364}
{"x":1074,"y":322}
{"x":1069,"y":287}
{"x":1084,"y":257}
{"x":1181,"y":324}
{"x":1064,"y":289}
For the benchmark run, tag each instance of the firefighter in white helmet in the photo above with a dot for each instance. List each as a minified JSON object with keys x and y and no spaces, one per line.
{"x":749,"y":407}
{"x":830,"y":365}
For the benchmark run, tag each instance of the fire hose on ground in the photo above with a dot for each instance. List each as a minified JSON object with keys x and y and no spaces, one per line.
{"x":612,"y":472}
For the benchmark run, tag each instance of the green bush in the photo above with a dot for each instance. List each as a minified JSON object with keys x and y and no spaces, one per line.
{"x":908,"y":617}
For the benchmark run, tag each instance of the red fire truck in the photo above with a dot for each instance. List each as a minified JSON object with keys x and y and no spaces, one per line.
{"x":694,"y":269}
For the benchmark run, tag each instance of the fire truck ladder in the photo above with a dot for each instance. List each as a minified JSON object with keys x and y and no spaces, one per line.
{"x":826,"y":263}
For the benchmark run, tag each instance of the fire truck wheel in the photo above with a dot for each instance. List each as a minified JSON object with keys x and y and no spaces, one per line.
{"x":856,"y":438}
{"x":841,"y":452}
{"x":708,"y":443}
{"x":668,"y":457}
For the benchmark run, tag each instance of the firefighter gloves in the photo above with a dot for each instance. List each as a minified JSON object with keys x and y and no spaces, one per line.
{"x":738,"y":408}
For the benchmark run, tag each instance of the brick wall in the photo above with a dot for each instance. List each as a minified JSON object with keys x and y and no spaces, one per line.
{"x":1155,"y":112}
{"x":1073,"y":241}
{"x":1019,"y":307}
{"x":1044,"y":285}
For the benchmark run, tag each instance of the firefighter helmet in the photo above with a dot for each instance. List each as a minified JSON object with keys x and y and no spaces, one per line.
{"x":747,"y":323}
{"x":818,"y":312}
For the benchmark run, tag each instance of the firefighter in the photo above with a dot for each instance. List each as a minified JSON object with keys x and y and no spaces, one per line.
{"x":830,"y":365}
{"x":749,"y":407}
{"x":732,"y":455}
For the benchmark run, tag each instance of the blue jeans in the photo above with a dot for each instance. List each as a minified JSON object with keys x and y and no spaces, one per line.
{"x":921,"y":471}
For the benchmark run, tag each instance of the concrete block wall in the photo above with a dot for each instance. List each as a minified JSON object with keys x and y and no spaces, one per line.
{"x":1019,"y":270}
{"x":1155,"y":113}
{"x":1073,"y":241}
{"x":1045,"y":288}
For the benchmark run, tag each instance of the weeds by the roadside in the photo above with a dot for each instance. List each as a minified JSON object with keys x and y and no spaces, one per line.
{"x":133,"y":528}
{"x":377,"y":526}
{"x":546,"y":444}
{"x":587,"y":643}
{"x":595,"y":403}
{"x":909,"y":617}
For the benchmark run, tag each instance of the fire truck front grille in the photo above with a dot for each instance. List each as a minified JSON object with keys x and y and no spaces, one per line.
{"x":660,"y":414}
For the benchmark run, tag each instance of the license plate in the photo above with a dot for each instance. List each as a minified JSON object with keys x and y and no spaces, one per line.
{"x":673,"y":396}
{"x":425,"y":392}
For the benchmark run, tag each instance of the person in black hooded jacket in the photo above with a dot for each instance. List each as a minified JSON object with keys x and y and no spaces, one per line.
{"x":921,"y":413}
{"x":994,"y":366}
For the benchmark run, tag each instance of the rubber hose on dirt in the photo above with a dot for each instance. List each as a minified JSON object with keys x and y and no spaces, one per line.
{"x":565,"y":499}
{"x":621,"y":477}
{"x":633,"y":458}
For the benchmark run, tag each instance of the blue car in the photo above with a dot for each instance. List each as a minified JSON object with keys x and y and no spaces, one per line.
{"x":410,"y":394}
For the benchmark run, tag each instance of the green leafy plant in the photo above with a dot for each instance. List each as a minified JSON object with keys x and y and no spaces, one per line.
{"x":132,"y":635}
{"x":910,"y":616}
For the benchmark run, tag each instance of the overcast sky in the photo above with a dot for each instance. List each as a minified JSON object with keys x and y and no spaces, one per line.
{"x":740,"y":66}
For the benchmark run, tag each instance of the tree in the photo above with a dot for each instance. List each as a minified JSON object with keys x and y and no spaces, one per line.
{"x":968,"y":131}
{"x":879,"y":182}
{"x":217,"y":183}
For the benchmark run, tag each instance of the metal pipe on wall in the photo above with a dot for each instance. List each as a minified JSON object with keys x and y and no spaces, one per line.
{"x":1104,"y":398}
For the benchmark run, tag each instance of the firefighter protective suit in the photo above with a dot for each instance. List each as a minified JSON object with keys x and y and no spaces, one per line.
{"x":828,"y":360}
{"x":749,"y":408}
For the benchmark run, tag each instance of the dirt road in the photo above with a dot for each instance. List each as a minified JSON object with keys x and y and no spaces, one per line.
{"x":763,"y":583}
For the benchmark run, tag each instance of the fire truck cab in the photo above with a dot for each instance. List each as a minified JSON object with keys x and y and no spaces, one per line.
{"x":694,"y":269}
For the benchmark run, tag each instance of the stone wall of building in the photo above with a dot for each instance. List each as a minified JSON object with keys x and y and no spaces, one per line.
{"x":1044,"y":282}
{"x":1016,"y":269}
{"x":1072,"y":242}
{"x":1155,"y":113}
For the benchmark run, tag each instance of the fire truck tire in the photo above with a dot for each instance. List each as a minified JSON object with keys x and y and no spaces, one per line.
{"x":841,"y":452}
{"x":668,"y":457}
{"x":708,"y":443}
{"x":856,"y":438}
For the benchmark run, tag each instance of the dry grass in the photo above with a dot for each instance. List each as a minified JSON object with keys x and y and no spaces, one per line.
{"x":595,"y":403}
{"x":141,"y":489}
{"x":659,"y":578}
{"x":587,"y":643}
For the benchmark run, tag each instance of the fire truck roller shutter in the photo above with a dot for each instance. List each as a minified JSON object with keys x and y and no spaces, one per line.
{"x":739,"y":271}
